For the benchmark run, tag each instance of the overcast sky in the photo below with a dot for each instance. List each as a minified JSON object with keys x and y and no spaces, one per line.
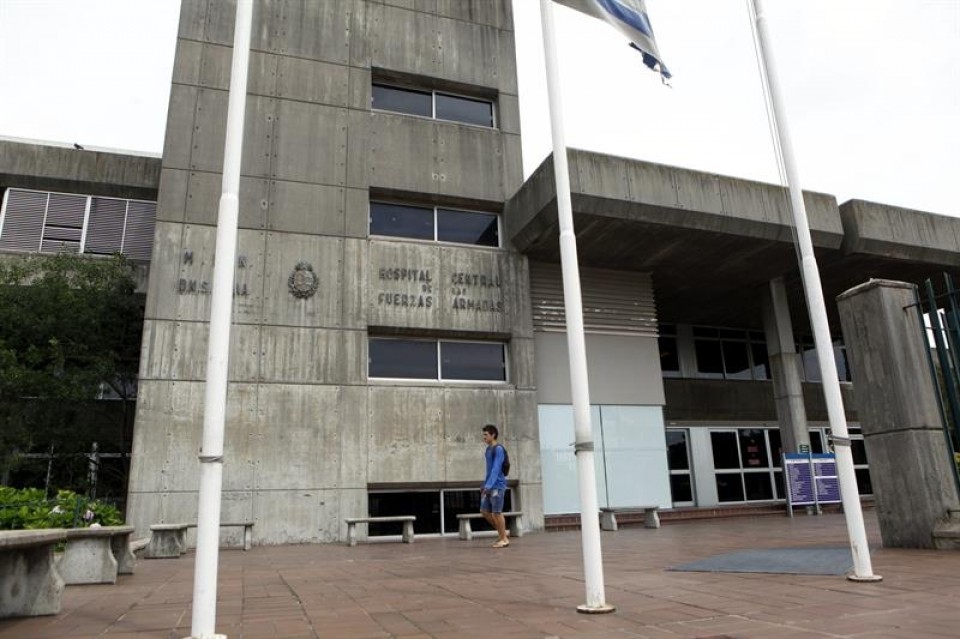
{"x":872,"y":87}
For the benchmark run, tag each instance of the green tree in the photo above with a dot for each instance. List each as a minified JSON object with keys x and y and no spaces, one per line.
{"x":70,"y":332}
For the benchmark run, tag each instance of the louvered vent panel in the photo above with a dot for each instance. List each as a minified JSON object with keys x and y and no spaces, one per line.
{"x":615,"y":302}
{"x":66,"y":210}
{"x":138,"y":240}
{"x":60,"y":246}
{"x":23,"y":220}
{"x":105,"y":225}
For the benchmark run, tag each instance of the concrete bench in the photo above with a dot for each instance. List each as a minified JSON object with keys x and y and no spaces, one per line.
{"x":514,"y":522}
{"x":608,"y":516}
{"x":407,"y":520}
{"x":247,"y":531}
{"x":170,"y":540}
{"x":96,"y":555}
{"x":167,"y":540}
{"x":29,"y":581}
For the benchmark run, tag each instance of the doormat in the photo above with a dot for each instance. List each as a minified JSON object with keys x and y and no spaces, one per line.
{"x":790,"y":561}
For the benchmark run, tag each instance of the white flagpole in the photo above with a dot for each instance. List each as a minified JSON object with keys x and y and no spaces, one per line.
{"x":573,"y":308}
{"x":850,"y":496}
{"x":218,"y":348}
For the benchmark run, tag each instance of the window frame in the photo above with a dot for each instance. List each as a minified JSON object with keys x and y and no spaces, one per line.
{"x":438,"y":351}
{"x":434,"y":209}
{"x":400,"y":86}
{"x":747,"y":339}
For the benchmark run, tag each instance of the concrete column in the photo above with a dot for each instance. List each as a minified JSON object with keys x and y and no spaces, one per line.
{"x":784,"y":368}
{"x":896,"y":400}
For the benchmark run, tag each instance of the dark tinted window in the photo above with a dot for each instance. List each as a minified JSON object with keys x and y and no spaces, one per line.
{"x":457,"y":109}
{"x":402,"y":100}
{"x":669,"y":357}
{"x":735,"y":360}
{"x":404,"y":359}
{"x":725,"y":450}
{"x":709,"y":360}
{"x":758,"y":486}
{"x":400,"y":220}
{"x":473,"y":361}
{"x":753,"y":448}
{"x":681,"y":488}
{"x":729,"y":487}
{"x":467,"y":228}
{"x":677,"y":450}
{"x":761,"y":361}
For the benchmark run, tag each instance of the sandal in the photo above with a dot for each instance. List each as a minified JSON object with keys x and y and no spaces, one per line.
{"x":501,"y":543}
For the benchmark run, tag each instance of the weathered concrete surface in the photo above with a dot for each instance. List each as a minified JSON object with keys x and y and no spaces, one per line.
{"x":909,"y":460}
{"x":307,"y":432}
{"x":894,"y":232}
{"x":57,"y":168}
{"x":785,"y":368}
{"x":89,"y":558}
{"x":29,"y":582}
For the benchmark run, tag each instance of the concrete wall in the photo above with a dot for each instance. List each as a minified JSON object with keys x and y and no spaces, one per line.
{"x":621,"y":369}
{"x":306,"y":431}
{"x":64,"y":169}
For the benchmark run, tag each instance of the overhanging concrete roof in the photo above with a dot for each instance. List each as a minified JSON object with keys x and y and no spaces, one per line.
{"x":711,"y":242}
{"x":58,"y":168}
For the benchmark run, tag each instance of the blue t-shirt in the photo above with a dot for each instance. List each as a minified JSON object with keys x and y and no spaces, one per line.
{"x":495,"y":479}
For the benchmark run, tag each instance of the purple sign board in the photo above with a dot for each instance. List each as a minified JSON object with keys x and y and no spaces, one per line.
{"x":811,"y":478}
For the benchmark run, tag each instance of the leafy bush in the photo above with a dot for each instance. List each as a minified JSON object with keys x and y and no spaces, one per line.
{"x":29,"y":508}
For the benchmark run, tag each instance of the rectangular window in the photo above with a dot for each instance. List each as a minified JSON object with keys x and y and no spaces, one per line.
{"x":678,"y":461}
{"x":730,"y":354}
{"x":474,"y":228}
{"x":466,"y":227}
{"x":669,"y":356}
{"x":438,"y":105}
{"x":400,"y":220}
{"x":40,"y":221}
{"x":806,"y":348}
{"x":436,"y":510}
{"x":397,"y":358}
{"x":467,"y":110}
{"x":400,"y":100}
{"x":473,"y":360}
{"x":402,"y":358}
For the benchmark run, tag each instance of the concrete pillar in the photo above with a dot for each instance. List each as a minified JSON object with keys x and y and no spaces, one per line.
{"x":909,"y":461}
{"x":784,"y":368}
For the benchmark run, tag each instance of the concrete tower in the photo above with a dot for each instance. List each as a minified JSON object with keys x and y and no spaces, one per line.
{"x":381,"y":141}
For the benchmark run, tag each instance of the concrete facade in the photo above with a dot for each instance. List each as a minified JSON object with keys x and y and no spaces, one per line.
{"x":310,"y":436}
{"x":307,"y":432}
{"x":914,"y":484}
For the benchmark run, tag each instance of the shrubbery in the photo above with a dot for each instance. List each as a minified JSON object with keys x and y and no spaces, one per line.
{"x":29,"y":508}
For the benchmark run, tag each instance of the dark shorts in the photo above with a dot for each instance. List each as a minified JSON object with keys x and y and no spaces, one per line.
{"x":492,"y":501}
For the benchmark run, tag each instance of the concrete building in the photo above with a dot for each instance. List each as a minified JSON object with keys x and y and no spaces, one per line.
{"x":398,"y":286}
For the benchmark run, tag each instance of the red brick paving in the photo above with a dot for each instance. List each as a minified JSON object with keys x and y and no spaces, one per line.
{"x":446,"y":588}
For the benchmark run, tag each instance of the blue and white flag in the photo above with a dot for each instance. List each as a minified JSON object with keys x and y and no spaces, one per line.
{"x":630,"y":18}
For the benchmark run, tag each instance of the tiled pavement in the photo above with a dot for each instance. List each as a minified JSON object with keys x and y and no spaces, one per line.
{"x":450,"y":588}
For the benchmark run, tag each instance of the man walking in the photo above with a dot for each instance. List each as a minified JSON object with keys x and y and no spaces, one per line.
{"x":494,"y":486}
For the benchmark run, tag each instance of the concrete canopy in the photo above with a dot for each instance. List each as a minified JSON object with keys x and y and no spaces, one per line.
{"x":711,"y":242}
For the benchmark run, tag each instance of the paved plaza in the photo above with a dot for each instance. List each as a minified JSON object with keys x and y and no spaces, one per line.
{"x":446,"y":588}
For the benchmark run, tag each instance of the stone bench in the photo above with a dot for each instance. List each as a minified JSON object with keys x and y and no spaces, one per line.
{"x":514,"y":521}
{"x":95,"y":555}
{"x":407,"y":520}
{"x":29,"y":581}
{"x":167,"y":540}
{"x":608,"y":516}
{"x":170,"y":540}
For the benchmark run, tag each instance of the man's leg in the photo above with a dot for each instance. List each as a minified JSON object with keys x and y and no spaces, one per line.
{"x":500,"y":524}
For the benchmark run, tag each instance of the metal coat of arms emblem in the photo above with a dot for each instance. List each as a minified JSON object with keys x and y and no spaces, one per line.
{"x":303,"y":281}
